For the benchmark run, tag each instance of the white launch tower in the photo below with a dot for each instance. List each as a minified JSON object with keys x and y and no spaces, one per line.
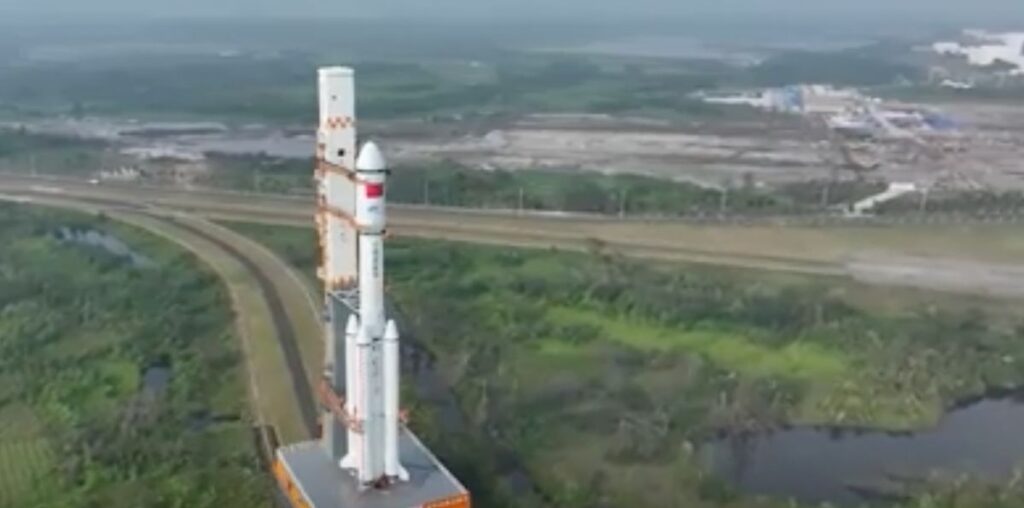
{"x":359,"y":459}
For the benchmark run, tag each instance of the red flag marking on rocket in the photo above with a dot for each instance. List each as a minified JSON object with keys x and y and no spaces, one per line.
{"x":374,"y":190}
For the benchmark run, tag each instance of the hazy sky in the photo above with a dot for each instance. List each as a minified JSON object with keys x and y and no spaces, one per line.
{"x":941,"y":10}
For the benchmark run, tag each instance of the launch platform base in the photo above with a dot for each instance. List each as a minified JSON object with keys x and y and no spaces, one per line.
{"x":311,"y":480}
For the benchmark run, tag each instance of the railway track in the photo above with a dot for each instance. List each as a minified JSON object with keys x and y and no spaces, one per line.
{"x":847,"y":252}
{"x":283,"y":327}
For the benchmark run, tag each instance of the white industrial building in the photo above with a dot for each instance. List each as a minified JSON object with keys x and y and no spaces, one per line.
{"x":798,"y":99}
{"x":986,"y":49}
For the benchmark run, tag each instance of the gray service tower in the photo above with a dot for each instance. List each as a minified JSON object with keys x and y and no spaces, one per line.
{"x":366,"y":457}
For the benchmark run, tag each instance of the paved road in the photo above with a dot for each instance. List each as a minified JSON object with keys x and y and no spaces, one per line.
{"x":933,"y":258}
{"x":659,"y":239}
{"x":284,"y":329}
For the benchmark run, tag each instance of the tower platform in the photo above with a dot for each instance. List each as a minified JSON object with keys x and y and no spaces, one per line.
{"x":309,"y":479}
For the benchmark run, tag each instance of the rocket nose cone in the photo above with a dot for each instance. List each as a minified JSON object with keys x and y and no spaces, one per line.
{"x":334,"y":72}
{"x":353,"y":325}
{"x":370,"y":158}
{"x":391,"y":331}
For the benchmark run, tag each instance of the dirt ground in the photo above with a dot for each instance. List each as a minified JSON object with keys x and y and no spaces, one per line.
{"x":985,"y":153}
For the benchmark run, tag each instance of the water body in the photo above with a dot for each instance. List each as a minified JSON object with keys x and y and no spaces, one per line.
{"x":203,"y":420}
{"x":815,"y":465}
{"x":155,"y":379}
{"x":270,"y":142}
{"x":104,"y":241}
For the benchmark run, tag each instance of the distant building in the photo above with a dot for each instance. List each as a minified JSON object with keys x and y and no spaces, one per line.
{"x":757,"y":100}
{"x":956,"y":85}
{"x":796,"y":99}
{"x":827,"y":100}
{"x":164,"y":153}
{"x":983,"y":49}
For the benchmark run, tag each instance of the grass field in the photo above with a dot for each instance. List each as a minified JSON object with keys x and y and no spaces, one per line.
{"x":737,"y":350}
{"x":17,"y":421}
{"x":25,"y":456}
{"x":23,"y":463}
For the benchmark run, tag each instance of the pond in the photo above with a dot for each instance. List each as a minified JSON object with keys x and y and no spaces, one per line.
{"x":815,"y":465}
{"x":202,"y":420}
{"x":104,"y":241}
{"x":155,"y":379}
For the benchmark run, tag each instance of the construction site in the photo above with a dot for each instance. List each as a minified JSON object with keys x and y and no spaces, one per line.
{"x":797,"y":134}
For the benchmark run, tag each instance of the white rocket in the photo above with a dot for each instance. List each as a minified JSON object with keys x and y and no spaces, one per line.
{"x":354,"y":220}
{"x":373,"y":351}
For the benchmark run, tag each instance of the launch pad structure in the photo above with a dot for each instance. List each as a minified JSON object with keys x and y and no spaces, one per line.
{"x":365,"y":457}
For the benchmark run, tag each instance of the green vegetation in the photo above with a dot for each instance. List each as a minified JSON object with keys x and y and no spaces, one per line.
{"x":598,"y":376}
{"x":276,"y":88}
{"x":856,"y":67}
{"x":451,"y":184}
{"x":258,"y":173}
{"x":736,"y":350}
{"x":969,"y":203}
{"x":24,"y":462}
{"x":26,"y":152}
{"x":81,"y":329}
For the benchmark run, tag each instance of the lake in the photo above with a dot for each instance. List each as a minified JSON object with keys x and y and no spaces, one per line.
{"x":106,"y":242}
{"x":820,"y":464}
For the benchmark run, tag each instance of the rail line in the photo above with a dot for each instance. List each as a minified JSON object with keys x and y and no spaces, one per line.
{"x":283,"y":328}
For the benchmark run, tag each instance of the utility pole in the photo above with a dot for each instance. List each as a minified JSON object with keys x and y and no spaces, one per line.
{"x":924,"y":199}
{"x":826,"y":193}
{"x":723,"y":204}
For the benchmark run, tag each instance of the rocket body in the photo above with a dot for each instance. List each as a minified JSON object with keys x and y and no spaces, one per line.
{"x":378,"y":336}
